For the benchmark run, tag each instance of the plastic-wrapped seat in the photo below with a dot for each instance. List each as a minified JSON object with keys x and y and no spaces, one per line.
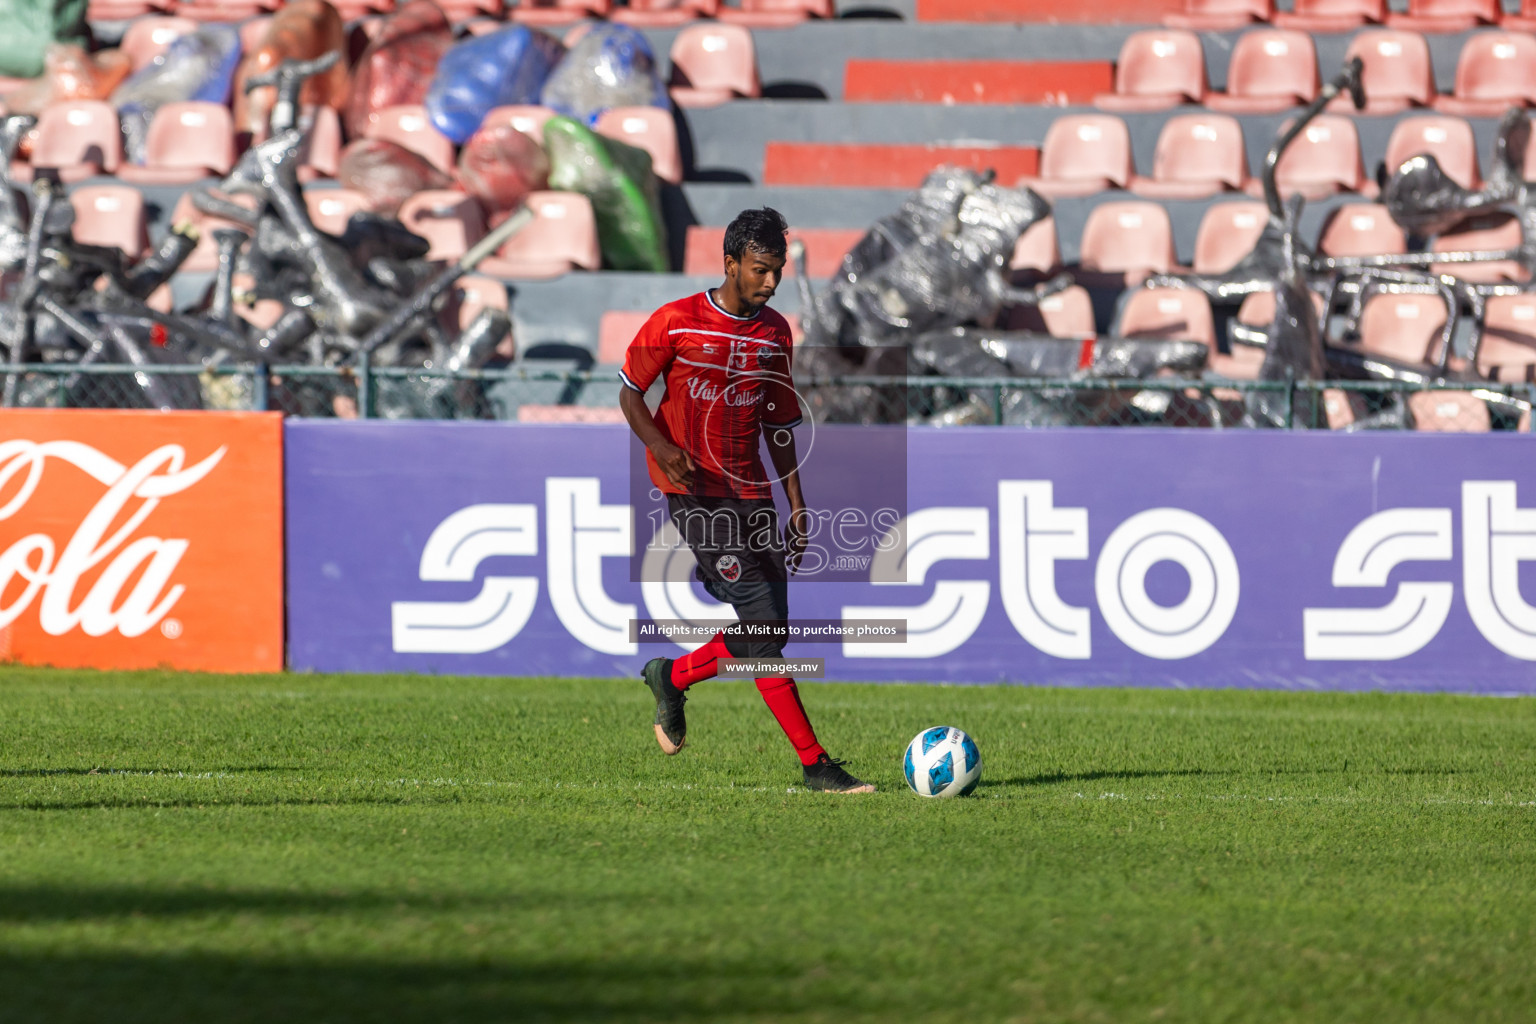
{"x":320,"y":152}
{"x":450,"y":221}
{"x":1038,"y":248}
{"x":1127,"y":241}
{"x":111,"y":215}
{"x":1397,"y":72}
{"x":1446,"y":15}
{"x":1219,"y":15}
{"x":206,"y":255}
{"x":1084,"y":154}
{"x":1406,"y":328}
{"x":1330,"y":15}
{"x":1168,"y":314}
{"x":651,"y":129}
{"x":1270,"y":70}
{"x":1323,"y":160}
{"x":477,"y":292}
{"x":408,"y":125}
{"x":331,"y":208}
{"x":1448,"y":139}
{"x":79,"y":138}
{"x":1495,"y":70}
{"x":712,"y":64}
{"x":147,"y":37}
{"x":1067,"y":314}
{"x":1157,"y":69}
{"x":526,"y":118}
{"x":1197,"y":155}
{"x":1499,"y":232}
{"x":186,"y":142}
{"x":1361,"y":229}
{"x":562,"y":236}
{"x":1227,"y":233}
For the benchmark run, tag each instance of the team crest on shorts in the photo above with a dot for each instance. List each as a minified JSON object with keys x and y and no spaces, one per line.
{"x":729,"y":567}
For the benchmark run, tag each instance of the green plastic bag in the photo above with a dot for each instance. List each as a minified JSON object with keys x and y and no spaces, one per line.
{"x":619,"y":181}
{"x":30,"y":25}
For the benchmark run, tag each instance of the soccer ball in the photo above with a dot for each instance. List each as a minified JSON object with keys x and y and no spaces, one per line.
{"x":942,"y":761}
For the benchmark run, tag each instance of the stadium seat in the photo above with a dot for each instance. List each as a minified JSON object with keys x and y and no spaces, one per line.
{"x":1067,"y":314}
{"x":450,"y":221}
{"x":1525,"y":21}
{"x":123,"y":10}
{"x":186,"y":142}
{"x":1084,"y":154}
{"x":253,"y":33}
{"x":477,"y":292}
{"x":459,"y":11}
{"x":1446,"y":15}
{"x":1219,"y":15}
{"x":1508,"y":349}
{"x":1405,"y":328}
{"x":354,"y":10}
{"x":1323,"y":160}
{"x":111,"y":215}
{"x":1397,"y":72}
{"x":1227,"y":233}
{"x":562,"y":236}
{"x":775,"y":13}
{"x":225,"y":10}
{"x":1258,"y":309}
{"x":527,"y":119}
{"x":331,"y":208}
{"x":1452,"y":412}
{"x":651,"y":129}
{"x":1270,"y":70}
{"x":320,"y":152}
{"x":615,"y":331}
{"x":554,"y":13}
{"x":1448,"y":139}
{"x":1496,"y":70}
{"x":703,"y":251}
{"x":1198,"y":155}
{"x":1127,"y":241}
{"x":409,"y":126}
{"x":206,"y":256}
{"x":1361,"y":229}
{"x":79,"y":138}
{"x":1156,"y":70}
{"x":1243,"y":363}
{"x":1498,"y":232}
{"x":1330,"y":15}
{"x":1168,"y":314}
{"x":663,"y":13}
{"x":1037,"y":248}
{"x":147,"y":37}
{"x":712,"y":64}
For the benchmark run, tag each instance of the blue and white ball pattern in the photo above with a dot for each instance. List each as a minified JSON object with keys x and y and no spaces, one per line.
{"x":942,"y":761}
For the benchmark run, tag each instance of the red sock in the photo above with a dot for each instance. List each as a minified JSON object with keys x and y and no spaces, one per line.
{"x":783,"y":699}
{"x":699,"y":664}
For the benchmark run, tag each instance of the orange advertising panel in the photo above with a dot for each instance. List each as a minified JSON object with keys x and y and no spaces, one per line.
{"x":141,"y":539}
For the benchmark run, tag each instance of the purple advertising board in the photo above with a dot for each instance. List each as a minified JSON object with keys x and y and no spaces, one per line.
{"x":1078,"y":557}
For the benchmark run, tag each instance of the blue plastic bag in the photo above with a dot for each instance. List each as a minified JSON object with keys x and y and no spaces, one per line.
{"x":197,"y":66}
{"x":610,"y":66}
{"x":496,"y":70}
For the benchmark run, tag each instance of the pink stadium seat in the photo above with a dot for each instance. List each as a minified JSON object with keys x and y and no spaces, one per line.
{"x":1219,"y":15}
{"x":1157,"y":69}
{"x":147,"y":37}
{"x":1243,"y":363}
{"x":1168,"y":314}
{"x":1397,"y":72}
{"x":1084,"y":154}
{"x":206,"y":256}
{"x":463,"y":10}
{"x":663,"y":13}
{"x":410,"y":127}
{"x":477,"y":292}
{"x":1508,"y":349}
{"x":261,"y":313}
{"x":1361,"y":229}
{"x":1258,"y":309}
{"x":123,"y":10}
{"x":225,"y":10}
{"x":1324,"y":159}
{"x":1495,"y":70}
{"x":1037,"y":248}
{"x":1127,"y":240}
{"x":331,"y":208}
{"x":824,"y":249}
{"x":1448,"y":139}
{"x":450,"y":221}
{"x":1402,"y":327}
{"x":712,"y":64}
{"x":78,"y":137}
{"x":557,"y":12}
{"x":320,"y":152}
{"x":775,"y":13}
{"x":1198,"y":155}
{"x":1330,"y":15}
{"x":1270,"y":70}
{"x":1067,"y":314}
{"x":186,"y":142}
{"x":569,"y":414}
{"x":1446,"y":15}
{"x":561,"y":237}
{"x":253,"y":33}
{"x":1502,"y":232}
{"x":111,"y":215}
{"x":354,"y":10}
{"x":1453,"y":412}
{"x":1227,"y":233}
{"x":527,"y":119}
{"x":615,"y":331}
{"x":651,"y":129}
{"x":1525,"y":21}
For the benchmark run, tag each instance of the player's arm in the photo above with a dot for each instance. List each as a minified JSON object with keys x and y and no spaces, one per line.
{"x":786,"y":466}
{"x":648,"y":356}
{"x":673,"y":460}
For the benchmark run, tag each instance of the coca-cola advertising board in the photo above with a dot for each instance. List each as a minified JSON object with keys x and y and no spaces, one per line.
{"x":141,"y":539}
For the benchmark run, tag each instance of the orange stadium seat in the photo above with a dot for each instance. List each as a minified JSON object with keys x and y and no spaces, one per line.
{"x":1084,"y":154}
{"x":877,"y":165}
{"x":331,"y":208}
{"x":1168,"y":314}
{"x":111,"y":215}
{"x":147,"y":37}
{"x":1498,"y":232}
{"x":1127,"y":241}
{"x":1324,"y":159}
{"x":1495,"y":70}
{"x":1402,"y":327}
{"x":557,"y":12}
{"x":1037,"y":248}
{"x":615,"y":331}
{"x":1446,"y":15}
{"x":1067,"y":314}
{"x":663,"y":13}
{"x":1227,"y":233}
{"x":1448,"y":139}
{"x":651,"y":129}
{"x":186,"y":142}
{"x":561,"y":237}
{"x":1157,"y":69}
{"x":1270,"y":70}
{"x":1361,"y":229}
{"x":78,"y":138}
{"x":712,"y":64}
{"x":1219,"y":15}
{"x":450,"y":221}
{"x":1397,"y":72}
{"x":1330,"y":15}
{"x":409,"y":126}
{"x":824,"y":249}
{"x":1197,"y":155}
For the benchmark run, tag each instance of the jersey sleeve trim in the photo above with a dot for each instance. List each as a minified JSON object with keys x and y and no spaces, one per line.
{"x":790,"y":425}
{"x":624,"y":379}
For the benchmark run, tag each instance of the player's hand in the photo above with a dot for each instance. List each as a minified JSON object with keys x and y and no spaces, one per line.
{"x":674,"y":462}
{"x":796,"y":532}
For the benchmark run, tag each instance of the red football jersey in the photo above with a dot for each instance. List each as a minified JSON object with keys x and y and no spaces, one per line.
{"x":727,"y":377}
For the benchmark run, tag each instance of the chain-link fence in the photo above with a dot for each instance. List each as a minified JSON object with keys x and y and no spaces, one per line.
{"x":567,"y":395}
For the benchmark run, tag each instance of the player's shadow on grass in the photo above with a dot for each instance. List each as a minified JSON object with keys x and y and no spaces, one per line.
{"x":1100,"y":776}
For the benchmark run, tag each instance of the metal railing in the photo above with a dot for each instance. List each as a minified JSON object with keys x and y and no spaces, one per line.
{"x":524,"y":392}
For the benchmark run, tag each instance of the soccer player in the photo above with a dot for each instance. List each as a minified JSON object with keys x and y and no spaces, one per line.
{"x":725,"y":357}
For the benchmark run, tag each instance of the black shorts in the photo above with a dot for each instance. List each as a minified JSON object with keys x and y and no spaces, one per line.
{"x":740,"y":556}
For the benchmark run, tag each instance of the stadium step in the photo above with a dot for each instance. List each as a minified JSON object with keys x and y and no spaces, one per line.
{"x":874,"y":165}
{"x":1056,"y":82}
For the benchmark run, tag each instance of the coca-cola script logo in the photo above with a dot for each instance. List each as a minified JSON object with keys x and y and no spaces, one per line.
{"x":55,"y":573}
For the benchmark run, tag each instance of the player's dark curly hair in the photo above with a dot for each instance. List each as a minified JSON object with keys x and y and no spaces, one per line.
{"x":758,"y":230}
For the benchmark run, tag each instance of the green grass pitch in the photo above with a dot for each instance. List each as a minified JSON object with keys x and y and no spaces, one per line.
{"x":298,"y":848}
